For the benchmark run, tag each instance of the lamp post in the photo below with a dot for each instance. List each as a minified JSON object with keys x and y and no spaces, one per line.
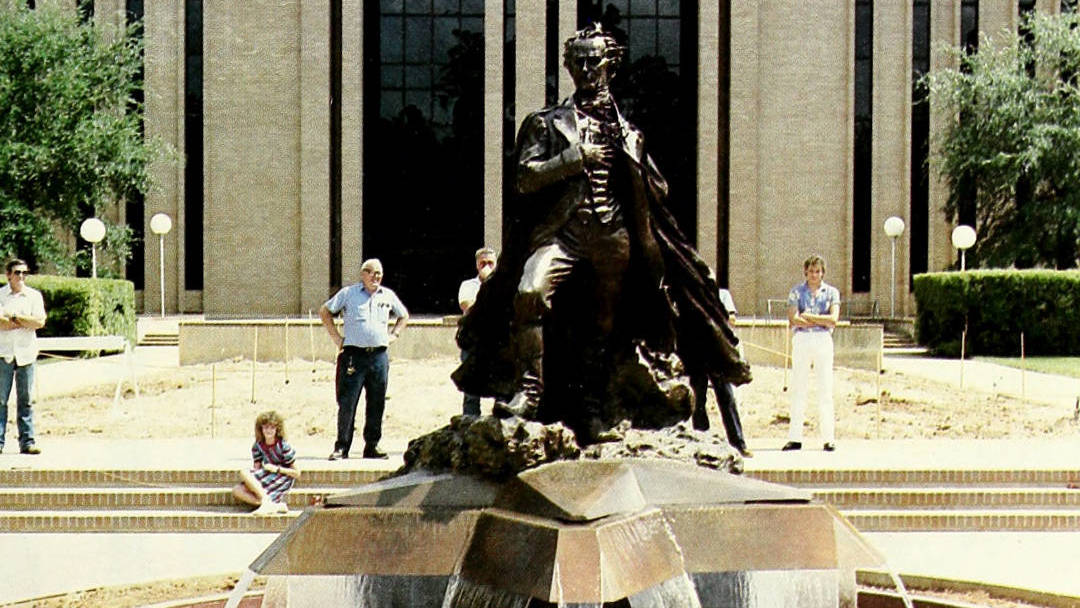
{"x":963,"y":237}
{"x":894,"y":227}
{"x":92,"y":230}
{"x":161,"y":224}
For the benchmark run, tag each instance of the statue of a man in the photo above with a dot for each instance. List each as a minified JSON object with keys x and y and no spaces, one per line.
{"x":601,"y":267}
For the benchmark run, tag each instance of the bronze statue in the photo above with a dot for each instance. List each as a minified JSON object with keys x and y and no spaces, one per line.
{"x":599,"y":293}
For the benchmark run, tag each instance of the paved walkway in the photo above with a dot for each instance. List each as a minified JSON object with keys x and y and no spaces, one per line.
{"x":42,"y":564}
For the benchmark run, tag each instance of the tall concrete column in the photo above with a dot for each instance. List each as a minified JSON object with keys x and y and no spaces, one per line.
{"x":891,"y":178}
{"x":493,"y":122}
{"x":744,"y":159}
{"x":944,"y":28}
{"x":163,"y":83}
{"x":707,"y":135}
{"x":352,"y":138}
{"x":531,"y":36}
{"x":314,"y":273}
{"x":567,"y":26}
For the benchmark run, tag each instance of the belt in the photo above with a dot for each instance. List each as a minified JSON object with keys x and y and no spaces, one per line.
{"x":366,"y":349}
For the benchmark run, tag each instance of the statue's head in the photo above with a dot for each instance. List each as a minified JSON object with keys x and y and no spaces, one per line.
{"x":591,"y":56}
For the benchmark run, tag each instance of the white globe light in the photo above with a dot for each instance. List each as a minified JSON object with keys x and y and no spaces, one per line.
{"x":963,"y":236}
{"x":160,"y":223}
{"x":92,"y":230}
{"x":894,"y":227}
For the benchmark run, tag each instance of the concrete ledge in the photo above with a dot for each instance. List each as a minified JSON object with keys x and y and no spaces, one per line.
{"x":767,"y":342}
{"x":277,"y":339}
{"x":764,"y":342}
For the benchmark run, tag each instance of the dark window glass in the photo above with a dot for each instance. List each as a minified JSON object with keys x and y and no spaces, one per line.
{"x":863,"y":144}
{"x":656,"y":87}
{"x":552,"y":55}
{"x":920,"y":137}
{"x":1068,"y":6}
{"x":31,"y":4}
{"x":966,"y":187}
{"x":193,"y":144}
{"x":134,"y":207}
{"x":86,"y":10}
{"x":423,"y":145}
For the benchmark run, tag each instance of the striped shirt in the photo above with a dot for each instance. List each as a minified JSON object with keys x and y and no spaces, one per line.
{"x":281,"y":454}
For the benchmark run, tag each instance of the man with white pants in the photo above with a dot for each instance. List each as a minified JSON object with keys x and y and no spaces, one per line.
{"x":813,"y":310}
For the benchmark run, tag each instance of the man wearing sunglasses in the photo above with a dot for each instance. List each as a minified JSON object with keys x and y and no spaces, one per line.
{"x":22,"y":313}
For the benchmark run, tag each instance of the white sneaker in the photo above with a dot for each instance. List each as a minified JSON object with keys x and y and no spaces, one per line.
{"x":271,"y":508}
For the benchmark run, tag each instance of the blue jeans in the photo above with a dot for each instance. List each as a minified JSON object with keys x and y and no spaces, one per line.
{"x":359,"y":369}
{"x":23,"y":378}
{"x":470,"y":405}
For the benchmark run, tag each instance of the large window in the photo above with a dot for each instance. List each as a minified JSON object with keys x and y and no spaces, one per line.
{"x":134,"y":207}
{"x":969,"y":39}
{"x":423,"y":145}
{"x":864,"y":149}
{"x":920,"y":136}
{"x":656,"y":88}
{"x":193,"y":144}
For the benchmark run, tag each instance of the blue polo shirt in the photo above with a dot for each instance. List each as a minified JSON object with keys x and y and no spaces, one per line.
{"x":366,"y":315}
{"x":817,"y":302}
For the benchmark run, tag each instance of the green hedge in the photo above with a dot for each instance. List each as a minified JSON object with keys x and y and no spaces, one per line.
{"x":86,"y":307}
{"x":998,"y":305}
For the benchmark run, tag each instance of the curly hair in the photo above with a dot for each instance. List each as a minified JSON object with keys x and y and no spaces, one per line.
{"x":613,"y":51}
{"x":270,"y":417}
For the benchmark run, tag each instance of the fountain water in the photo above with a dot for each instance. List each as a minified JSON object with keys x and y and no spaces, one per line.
{"x":630,"y":532}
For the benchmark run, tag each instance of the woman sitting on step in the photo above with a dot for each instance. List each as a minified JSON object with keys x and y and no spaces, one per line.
{"x":274,"y":469}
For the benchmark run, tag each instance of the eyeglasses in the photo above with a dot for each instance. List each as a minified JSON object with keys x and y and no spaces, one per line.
{"x":21,"y":273}
{"x":487,"y":263}
{"x":374,"y":273}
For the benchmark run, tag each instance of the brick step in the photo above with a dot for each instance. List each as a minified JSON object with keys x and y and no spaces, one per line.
{"x":180,"y":478}
{"x":55,"y":498}
{"x":1002,"y":520}
{"x":160,"y":339}
{"x":822,"y":478}
{"x":115,"y":499}
{"x":949,"y":498}
{"x":236,"y":519}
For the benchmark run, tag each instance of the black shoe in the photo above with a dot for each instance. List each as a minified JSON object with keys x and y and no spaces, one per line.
{"x":30,"y":449}
{"x":829,"y":446}
{"x":745,"y":451}
{"x":791,"y":445}
{"x":337,"y":455}
{"x":374,"y":452}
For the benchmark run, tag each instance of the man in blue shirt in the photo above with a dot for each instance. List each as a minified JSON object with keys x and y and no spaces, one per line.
{"x":813,"y":310}
{"x":367,"y":308}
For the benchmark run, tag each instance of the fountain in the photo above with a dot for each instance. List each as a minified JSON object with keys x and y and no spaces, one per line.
{"x":629,"y":532}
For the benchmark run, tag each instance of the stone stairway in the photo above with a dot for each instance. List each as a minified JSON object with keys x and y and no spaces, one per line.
{"x":199,"y":500}
{"x":945,"y":500}
{"x":160,"y":339}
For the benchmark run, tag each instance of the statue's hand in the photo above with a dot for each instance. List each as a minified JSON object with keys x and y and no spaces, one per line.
{"x":593,"y":154}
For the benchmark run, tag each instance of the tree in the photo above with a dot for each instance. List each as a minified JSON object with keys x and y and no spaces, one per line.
{"x":1015,"y":141}
{"x":71,"y":144}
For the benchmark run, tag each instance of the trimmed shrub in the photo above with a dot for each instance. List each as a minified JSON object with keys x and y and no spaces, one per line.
{"x":996,"y":306}
{"x":86,"y":307}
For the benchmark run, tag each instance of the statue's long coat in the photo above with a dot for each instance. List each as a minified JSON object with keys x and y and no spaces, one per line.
{"x":669,"y":300}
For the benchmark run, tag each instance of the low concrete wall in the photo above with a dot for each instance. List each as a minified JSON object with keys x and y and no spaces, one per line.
{"x":219,"y":340}
{"x":769,"y":343}
{"x":763,"y":342}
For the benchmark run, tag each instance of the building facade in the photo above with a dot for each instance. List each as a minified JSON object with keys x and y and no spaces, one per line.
{"x":316,"y":133}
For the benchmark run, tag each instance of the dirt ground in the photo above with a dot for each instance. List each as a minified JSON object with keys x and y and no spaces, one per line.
{"x":217,"y":400}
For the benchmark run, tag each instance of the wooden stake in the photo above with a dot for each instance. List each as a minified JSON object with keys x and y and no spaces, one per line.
{"x":254,"y":360}
{"x":286,"y":350}
{"x":1023,"y":369}
{"x":963,"y":343}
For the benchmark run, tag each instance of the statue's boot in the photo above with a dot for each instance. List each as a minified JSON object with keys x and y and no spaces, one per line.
{"x":526,"y":401}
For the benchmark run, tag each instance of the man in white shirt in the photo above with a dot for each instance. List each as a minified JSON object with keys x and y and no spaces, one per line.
{"x":486,"y":259}
{"x":22,"y":313}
